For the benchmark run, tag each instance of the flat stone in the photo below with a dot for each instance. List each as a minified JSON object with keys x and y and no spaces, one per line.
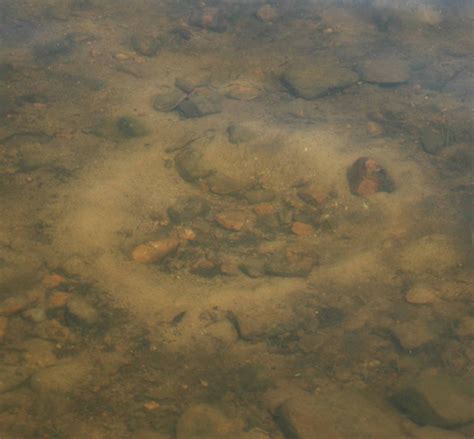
{"x":302,"y":229}
{"x":187,"y":208}
{"x":432,"y":139}
{"x":257,"y":196}
{"x":311,"y":81}
{"x":234,"y":220}
{"x":222,"y":184}
{"x":154,"y":251}
{"x":79,"y":311}
{"x":413,"y":335}
{"x":241,"y":90}
{"x":420,"y":295}
{"x":145,"y":45}
{"x":63,"y":377}
{"x":191,"y":165}
{"x":386,"y":70}
{"x":168,"y":100}
{"x":338,"y":414}
{"x":313,"y":195}
{"x":189,"y":83}
{"x":201,"y":103}
{"x":434,"y":253}
{"x":437,"y":400}
{"x":281,"y":265}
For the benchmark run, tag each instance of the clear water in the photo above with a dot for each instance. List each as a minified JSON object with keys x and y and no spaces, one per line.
{"x":236,"y":219}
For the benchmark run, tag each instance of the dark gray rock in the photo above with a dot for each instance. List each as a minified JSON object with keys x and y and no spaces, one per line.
{"x":311,"y":81}
{"x":200,"y":103}
{"x":131,"y":127}
{"x":433,"y":139}
{"x":438,"y":400}
{"x":145,"y":45}
{"x":187,"y":208}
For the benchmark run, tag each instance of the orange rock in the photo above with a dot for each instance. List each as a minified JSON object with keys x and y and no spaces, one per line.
{"x":16,"y":304}
{"x":233,"y":220}
{"x":302,"y":229}
{"x":229,"y":268}
{"x":367,"y":187}
{"x":187,"y":234}
{"x":53,"y":280}
{"x":313,"y":195}
{"x":58,"y":299}
{"x":264,"y":209}
{"x":151,"y":405}
{"x":374,"y":129}
{"x":154,"y":251}
{"x":3,"y":326}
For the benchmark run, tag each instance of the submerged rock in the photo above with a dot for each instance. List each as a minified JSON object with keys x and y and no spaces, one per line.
{"x":312,"y":81}
{"x":201,"y":103}
{"x":168,"y":100}
{"x":154,"y":251}
{"x":433,"y":139}
{"x":437,"y":400}
{"x":413,"y":335}
{"x":386,"y":71}
{"x":267,"y":13}
{"x":191,"y":165}
{"x":366,"y":177}
{"x":80,"y":312}
{"x":131,"y":127}
{"x":145,"y":45}
{"x":209,"y":18}
{"x":222,"y":184}
{"x":187,"y":208}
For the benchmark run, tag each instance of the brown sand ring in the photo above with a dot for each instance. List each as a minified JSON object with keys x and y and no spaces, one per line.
{"x":113,"y":198}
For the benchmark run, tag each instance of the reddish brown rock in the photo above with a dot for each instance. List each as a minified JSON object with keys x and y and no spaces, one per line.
{"x":233,"y":220}
{"x":16,"y":304}
{"x":302,"y":229}
{"x":366,"y":177}
{"x":205,"y":267}
{"x":154,"y":251}
{"x":313,"y":195}
{"x":53,"y":280}
{"x":58,"y":299}
{"x":264,"y":209}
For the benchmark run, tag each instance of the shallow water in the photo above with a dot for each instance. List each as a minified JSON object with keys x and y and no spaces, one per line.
{"x":243,"y":220}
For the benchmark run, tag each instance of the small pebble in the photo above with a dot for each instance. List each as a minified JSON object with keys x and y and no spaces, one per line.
{"x":420,"y":295}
